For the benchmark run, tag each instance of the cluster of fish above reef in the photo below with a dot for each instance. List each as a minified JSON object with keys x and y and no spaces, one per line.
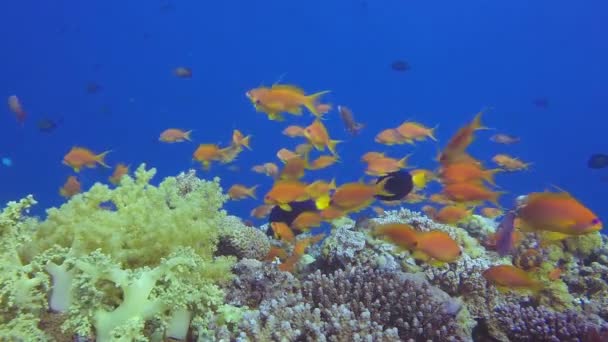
{"x":143,"y":262}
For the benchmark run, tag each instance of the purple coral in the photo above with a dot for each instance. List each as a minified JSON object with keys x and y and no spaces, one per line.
{"x":356,"y":304}
{"x":528,"y":323}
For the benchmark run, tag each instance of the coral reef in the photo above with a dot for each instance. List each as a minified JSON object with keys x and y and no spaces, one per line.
{"x":542,"y":324}
{"x":242,"y":241}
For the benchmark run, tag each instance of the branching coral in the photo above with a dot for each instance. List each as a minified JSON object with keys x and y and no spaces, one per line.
{"x":542,"y":324}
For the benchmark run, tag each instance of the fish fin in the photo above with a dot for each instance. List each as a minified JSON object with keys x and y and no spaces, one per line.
{"x":418,"y":255}
{"x":187,"y":135}
{"x":488,"y":175}
{"x":100,"y":158}
{"x":311,"y":100}
{"x":251,"y":191}
{"x":275,"y":116}
{"x":322,"y":202}
{"x":289,"y":87}
{"x":331,"y":146}
{"x":62,"y":192}
{"x":285,"y":207}
{"x":245,"y":142}
{"x":431,"y":134}
{"x":295,"y":111}
{"x":402,"y":163}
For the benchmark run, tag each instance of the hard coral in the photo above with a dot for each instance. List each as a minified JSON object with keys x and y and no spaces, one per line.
{"x":356,"y":304}
{"x":242,"y":241}
{"x":542,"y":324}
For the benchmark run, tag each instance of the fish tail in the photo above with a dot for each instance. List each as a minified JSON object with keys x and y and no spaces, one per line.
{"x":187,"y":135}
{"x":100,"y":158}
{"x":494,"y":198}
{"x":488,"y":175}
{"x":402,"y":163}
{"x":431,"y":133}
{"x":311,"y":100}
{"x":245,"y":142}
{"x":476,"y":124}
{"x":251,"y":191}
{"x":380,"y":188}
{"x":331,"y":146}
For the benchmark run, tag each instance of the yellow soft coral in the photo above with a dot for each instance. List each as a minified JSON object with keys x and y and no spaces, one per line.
{"x":147,"y":224}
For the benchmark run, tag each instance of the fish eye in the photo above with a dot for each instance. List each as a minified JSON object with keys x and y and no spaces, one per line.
{"x":257,"y":102}
{"x":595,"y":221}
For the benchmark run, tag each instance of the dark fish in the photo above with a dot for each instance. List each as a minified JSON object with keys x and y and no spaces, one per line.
{"x":506,"y":139}
{"x":48,"y":125}
{"x":541,"y":102}
{"x":400,"y":65}
{"x":504,"y":233}
{"x":93,"y":87}
{"x":279,"y":215}
{"x":597,"y":161}
{"x":400,"y":185}
{"x":352,"y":127}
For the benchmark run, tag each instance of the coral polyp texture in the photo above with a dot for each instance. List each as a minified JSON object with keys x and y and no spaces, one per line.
{"x":144,"y":262}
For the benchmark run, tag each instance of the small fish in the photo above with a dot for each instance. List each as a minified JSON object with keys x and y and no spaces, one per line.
{"x":175,"y":135}
{"x":283,"y":98}
{"x":352,"y":127}
{"x":294,"y":131}
{"x":505,"y":139}
{"x":416,"y":131}
{"x":307,"y":220}
{"x":509,"y":163}
{"x":239,"y":139}
{"x":239,"y":191}
{"x":507,"y":277}
{"x":93,"y":87}
{"x":598,"y":161}
{"x":355,"y":196}
{"x":282,"y":231}
{"x":48,"y":125}
{"x":317,"y":135}
{"x":206,"y":153}
{"x":284,"y":192}
{"x":322,"y":162}
{"x":390,"y":137}
{"x":452,"y":214}
{"x":6,"y":161}
{"x":397,"y":184}
{"x":183,"y":72}
{"x":385,"y":165}
{"x":14,"y":104}
{"x":261,"y":211}
{"x":400,"y":234}
{"x":79,"y":157}
{"x":437,"y":247}
{"x":120,"y":170}
{"x":70,"y":188}
{"x":400,"y":65}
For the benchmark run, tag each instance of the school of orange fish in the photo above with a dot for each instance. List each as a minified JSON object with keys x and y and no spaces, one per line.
{"x":466,"y":184}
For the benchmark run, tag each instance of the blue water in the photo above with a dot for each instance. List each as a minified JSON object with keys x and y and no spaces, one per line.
{"x":464,"y":55}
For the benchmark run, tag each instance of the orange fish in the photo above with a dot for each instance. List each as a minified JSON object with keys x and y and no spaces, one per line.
{"x":70,"y":188}
{"x":506,"y":277}
{"x":298,"y":251}
{"x":174,"y":135}
{"x":303,"y":149}
{"x":437,"y":247}
{"x":440,"y":199}
{"x":261,"y":211}
{"x":400,"y":234}
{"x":414,"y":197}
{"x":15,"y":106}
{"x":206,"y":153}
{"x":462,"y":172}
{"x":269,"y":169}
{"x":352,"y":197}
{"x":416,"y":131}
{"x":429,"y":211}
{"x":239,"y":139}
{"x":490,"y":212}
{"x":120,"y":170}
{"x":79,"y":157}
{"x":322,"y":162}
{"x":370,"y":156}
{"x":307,"y":220}
{"x":458,"y":144}
{"x":471,"y":193}
{"x":294,"y":131}
{"x":283,"y":98}
{"x":331,"y":213}
{"x":317,"y":135}
{"x":238,"y":192}
{"x":284,"y":155}
{"x":560,"y":214}
{"x":294,"y":168}
{"x":282,"y":231}
{"x":384,"y":165}
{"x":391,"y":137}
{"x":509,"y":163}
{"x":452,"y":214}
{"x":285,"y":191}
{"x":276,"y":252}
{"x":323,"y":108}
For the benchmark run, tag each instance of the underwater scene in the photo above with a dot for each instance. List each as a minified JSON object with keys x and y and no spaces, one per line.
{"x":348,"y":170}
